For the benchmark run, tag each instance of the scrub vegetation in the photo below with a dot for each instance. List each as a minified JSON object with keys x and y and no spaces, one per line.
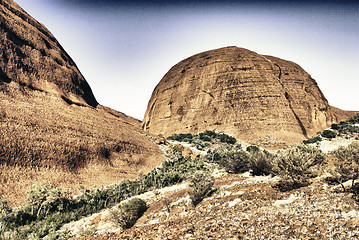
{"x":47,"y":207}
{"x":348,"y":128}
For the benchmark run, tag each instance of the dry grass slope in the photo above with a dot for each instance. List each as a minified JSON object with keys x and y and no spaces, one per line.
{"x":43,"y":139}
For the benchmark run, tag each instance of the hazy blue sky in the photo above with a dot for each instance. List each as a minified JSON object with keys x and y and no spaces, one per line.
{"x":123,"y":48}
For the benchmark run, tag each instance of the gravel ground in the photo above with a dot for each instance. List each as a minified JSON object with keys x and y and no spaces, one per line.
{"x":246,"y":207}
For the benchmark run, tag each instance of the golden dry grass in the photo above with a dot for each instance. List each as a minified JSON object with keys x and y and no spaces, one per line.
{"x":45,"y":140}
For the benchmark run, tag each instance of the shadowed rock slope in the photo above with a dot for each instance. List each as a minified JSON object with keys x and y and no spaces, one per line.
{"x":52,"y":130}
{"x":32,"y":57}
{"x":242,"y":93}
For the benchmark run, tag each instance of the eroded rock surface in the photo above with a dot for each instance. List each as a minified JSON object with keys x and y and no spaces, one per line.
{"x":239,"y":92}
{"x":32,"y":57}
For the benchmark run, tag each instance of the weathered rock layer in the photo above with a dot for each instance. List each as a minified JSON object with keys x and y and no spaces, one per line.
{"x":239,"y":92}
{"x":32,"y":57}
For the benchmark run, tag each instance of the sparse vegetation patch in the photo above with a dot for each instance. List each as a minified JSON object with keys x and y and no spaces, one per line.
{"x":200,"y":185}
{"x":127,"y":213}
{"x":202,"y":140}
{"x":261,"y":163}
{"x":296,"y":164}
{"x":49,"y":208}
{"x":347,"y":165}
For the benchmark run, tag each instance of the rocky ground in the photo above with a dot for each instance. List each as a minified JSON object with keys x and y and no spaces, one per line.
{"x":243,"y":207}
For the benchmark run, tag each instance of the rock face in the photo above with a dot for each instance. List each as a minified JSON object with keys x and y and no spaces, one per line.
{"x":31,"y":56}
{"x":238,"y":92}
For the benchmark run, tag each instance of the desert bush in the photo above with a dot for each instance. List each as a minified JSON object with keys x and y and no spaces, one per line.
{"x":128,"y":213}
{"x":312,"y":140}
{"x":346,"y":166}
{"x":200,"y":185}
{"x":5,"y":211}
{"x":205,"y":137}
{"x":235,"y":161}
{"x":3,"y":114}
{"x":183,"y":137}
{"x":230,"y":157}
{"x":213,"y":156}
{"x":202,"y":140}
{"x":199,"y":144}
{"x":87,"y":231}
{"x":354,"y":120}
{"x":167,"y":203}
{"x":222,"y":137}
{"x":252,"y":149}
{"x":296,"y":164}
{"x":46,"y":199}
{"x":329,"y":134}
{"x":261,"y":163}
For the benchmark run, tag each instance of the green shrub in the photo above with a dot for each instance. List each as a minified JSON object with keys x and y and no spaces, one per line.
{"x":296,"y":164}
{"x":187,"y":137}
{"x":354,"y":120}
{"x":252,"y":149}
{"x":200,"y":185}
{"x":347,"y":165}
{"x":329,"y":134}
{"x":230,"y":157}
{"x":335,"y":126}
{"x":5,"y":211}
{"x":207,"y":136}
{"x":224,"y":138}
{"x":312,"y":140}
{"x":129,"y":212}
{"x":235,"y":161}
{"x":213,"y":156}
{"x":199,"y":144}
{"x":46,"y":199}
{"x":261,"y":163}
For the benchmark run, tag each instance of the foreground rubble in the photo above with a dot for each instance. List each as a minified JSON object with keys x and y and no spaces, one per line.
{"x":243,"y":207}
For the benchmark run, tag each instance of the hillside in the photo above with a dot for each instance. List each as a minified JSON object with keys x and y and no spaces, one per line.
{"x":243,"y":206}
{"x":52,"y":128}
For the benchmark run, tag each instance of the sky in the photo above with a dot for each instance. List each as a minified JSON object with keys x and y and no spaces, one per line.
{"x":124,"y":48}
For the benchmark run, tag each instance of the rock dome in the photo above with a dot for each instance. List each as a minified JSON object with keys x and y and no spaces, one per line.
{"x":241,"y":93}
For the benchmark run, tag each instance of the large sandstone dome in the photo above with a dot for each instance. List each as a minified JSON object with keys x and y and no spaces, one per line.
{"x":241,"y":93}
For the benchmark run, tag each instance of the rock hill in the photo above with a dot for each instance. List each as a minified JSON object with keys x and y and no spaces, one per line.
{"x":32,"y":57}
{"x":52,"y":130}
{"x":241,"y":93}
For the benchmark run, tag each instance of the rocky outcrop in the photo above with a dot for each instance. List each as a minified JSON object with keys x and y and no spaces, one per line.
{"x":32,"y":57}
{"x":241,"y":93}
